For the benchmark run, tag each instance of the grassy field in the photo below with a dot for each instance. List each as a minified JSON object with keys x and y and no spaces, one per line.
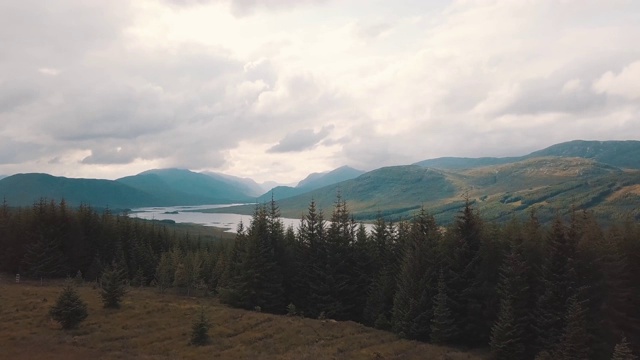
{"x":157,"y":326}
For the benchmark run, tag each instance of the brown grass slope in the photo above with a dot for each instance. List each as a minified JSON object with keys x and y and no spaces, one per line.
{"x":157,"y":326}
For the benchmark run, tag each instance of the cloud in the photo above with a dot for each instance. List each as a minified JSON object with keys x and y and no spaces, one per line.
{"x":247,"y":7}
{"x":301,"y":140}
{"x":374,"y":30}
{"x":112,"y":155}
{"x":214,"y":84}
{"x":625,"y":84}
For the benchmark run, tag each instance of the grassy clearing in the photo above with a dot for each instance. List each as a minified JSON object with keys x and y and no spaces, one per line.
{"x":157,"y":326}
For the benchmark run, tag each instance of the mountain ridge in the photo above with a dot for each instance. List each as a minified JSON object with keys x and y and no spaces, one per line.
{"x":600,"y":176}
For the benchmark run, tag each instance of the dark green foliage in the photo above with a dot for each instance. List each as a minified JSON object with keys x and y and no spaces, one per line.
{"x":622,"y":351}
{"x":112,"y":286}
{"x":69,"y":310}
{"x":164,"y":273}
{"x":255,"y":278}
{"x":200,"y":329}
{"x":45,"y":259}
{"x":558,"y":285}
{"x":384,"y":267}
{"x":469,"y":276}
{"x":443,"y":326}
{"x":334,"y":291}
{"x":509,"y":333}
{"x":412,"y":306}
{"x":387,"y":279}
{"x":574,"y":344}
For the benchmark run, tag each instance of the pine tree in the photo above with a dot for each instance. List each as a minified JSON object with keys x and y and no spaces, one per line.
{"x":255,"y":278}
{"x":412,"y":305}
{"x":113,"y":287}
{"x":622,"y":351}
{"x":310,"y":253}
{"x":45,"y":259}
{"x":468,"y":280}
{"x":200,"y":329}
{"x":574,"y":344}
{"x":333,"y":287}
{"x":69,"y":310}
{"x":443,"y":326}
{"x":558,"y":285}
{"x":509,"y":332}
{"x":164,"y":273}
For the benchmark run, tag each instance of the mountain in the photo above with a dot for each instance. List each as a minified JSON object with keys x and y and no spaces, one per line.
{"x":184,"y":187}
{"x":623,"y":154}
{"x":464,"y":162}
{"x":312,"y":182}
{"x":318,"y":180}
{"x":161,"y":187}
{"x":388,"y":190}
{"x":25,"y":189}
{"x":248,"y":186}
{"x":550,"y":185}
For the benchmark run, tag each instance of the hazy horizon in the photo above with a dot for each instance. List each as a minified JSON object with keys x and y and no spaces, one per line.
{"x":276,"y":90}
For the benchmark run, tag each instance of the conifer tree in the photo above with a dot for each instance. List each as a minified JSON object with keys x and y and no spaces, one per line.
{"x":468,"y":287}
{"x":379,"y":304}
{"x":113,"y":286}
{"x":310,"y":252}
{"x":231,"y":285}
{"x":256,"y":278}
{"x":164,"y":272}
{"x":443,"y":326}
{"x":558,"y":286}
{"x":509,"y":337}
{"x":69,"y":310}
{"x":412,"y":305}
{"x":45,"y":259}
{"x":333,"y":290}
{"x":200,"y":329}
{"x":622,"y":351}
{"x":574,"y":344}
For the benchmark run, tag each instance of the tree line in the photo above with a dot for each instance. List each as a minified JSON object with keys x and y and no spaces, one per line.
{"x":565,"y":290}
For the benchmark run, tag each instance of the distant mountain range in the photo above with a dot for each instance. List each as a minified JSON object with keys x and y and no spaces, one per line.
{"x":623,"y":154}
{"x":311,"y":182}
{"x":602,"y":176}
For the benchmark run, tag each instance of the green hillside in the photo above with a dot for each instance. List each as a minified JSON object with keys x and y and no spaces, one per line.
{"x":312,"y":182}
{"x":549,"y":185}
{"x":184,"y":187}
{"x":623,"y":154}
{"x":386,"y":191}
{"x":25,"y":189}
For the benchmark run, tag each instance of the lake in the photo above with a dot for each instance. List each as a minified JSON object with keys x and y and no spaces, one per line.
{"x":190,"y":214}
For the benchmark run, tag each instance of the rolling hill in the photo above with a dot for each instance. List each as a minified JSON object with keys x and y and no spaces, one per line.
{"x":245,"y":185}
{"x":311,"y":182}
{"x":25,"y":189}
{"x":164,"y":187}
{"x":600,"y":176}
{"x":550,"y":185}
{"x":184,"y":187}
{"x":623,"y":154}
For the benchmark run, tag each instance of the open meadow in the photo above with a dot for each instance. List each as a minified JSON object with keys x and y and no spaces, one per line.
{"x":150,"y":325}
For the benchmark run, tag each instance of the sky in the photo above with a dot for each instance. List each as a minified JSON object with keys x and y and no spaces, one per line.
{"x":278,"y":89}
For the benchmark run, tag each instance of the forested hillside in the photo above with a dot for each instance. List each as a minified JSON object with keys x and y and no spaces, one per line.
{"x":564,"y":291}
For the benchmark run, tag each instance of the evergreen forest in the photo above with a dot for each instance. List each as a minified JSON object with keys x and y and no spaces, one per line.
{"x":567,"y":289}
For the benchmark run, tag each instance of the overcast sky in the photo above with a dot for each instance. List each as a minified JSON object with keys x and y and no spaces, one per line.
{"x":276,"y":89}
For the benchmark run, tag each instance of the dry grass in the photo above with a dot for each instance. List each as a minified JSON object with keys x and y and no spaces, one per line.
{"x":157,"y":326}
{"x":624,"y":192}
